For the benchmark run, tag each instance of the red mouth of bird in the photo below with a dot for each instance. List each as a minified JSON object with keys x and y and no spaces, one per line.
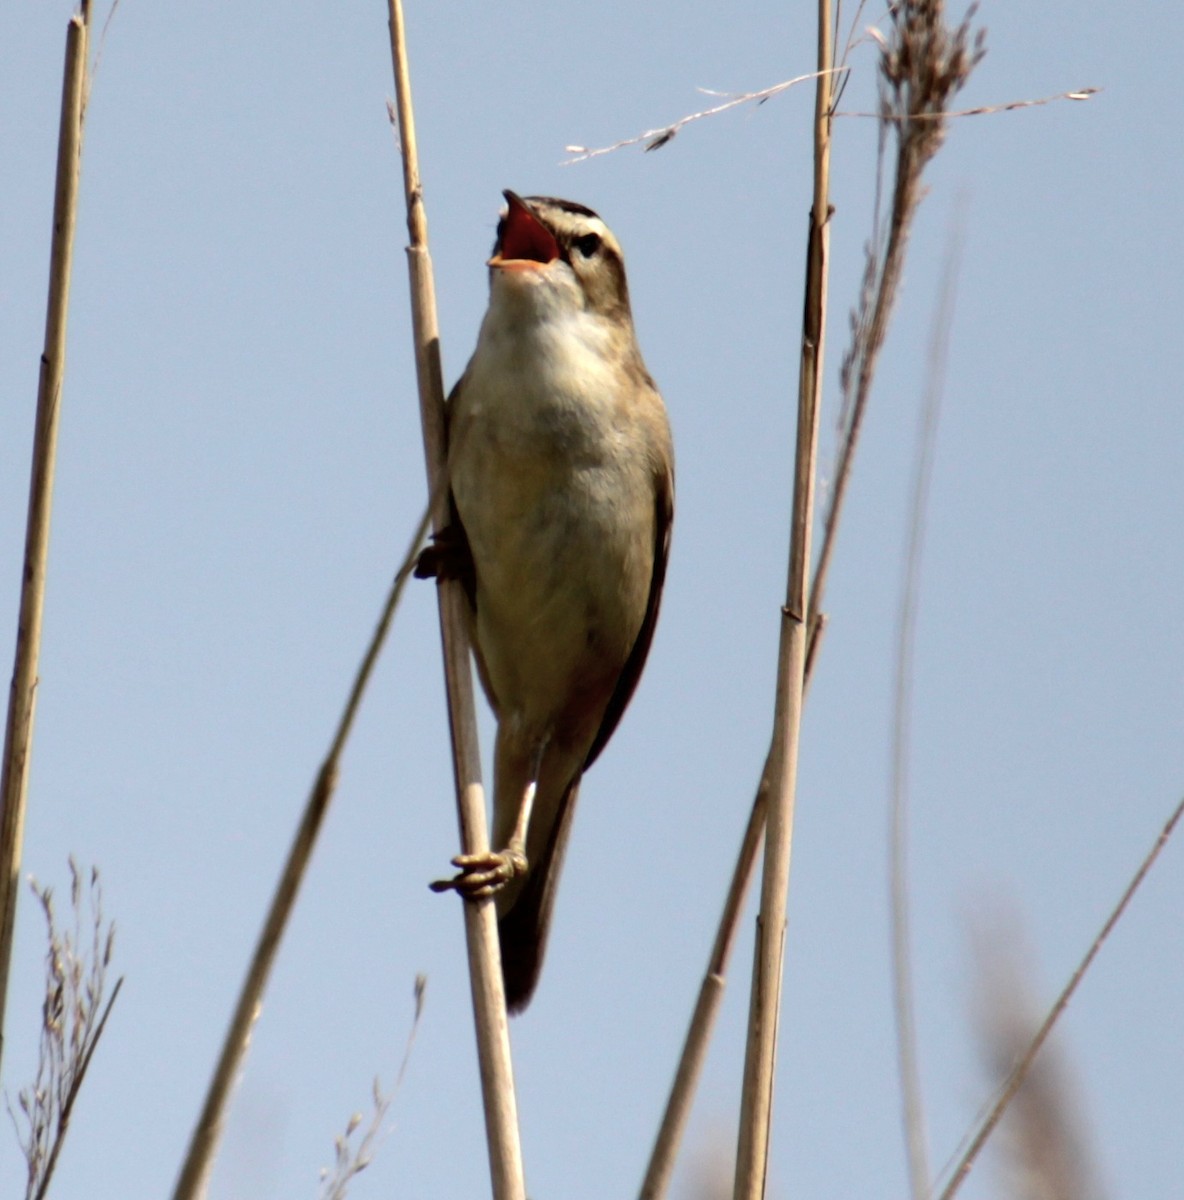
{"x":523,"y":240}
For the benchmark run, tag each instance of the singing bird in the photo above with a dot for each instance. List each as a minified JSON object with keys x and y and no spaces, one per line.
{"x":562,"y":492}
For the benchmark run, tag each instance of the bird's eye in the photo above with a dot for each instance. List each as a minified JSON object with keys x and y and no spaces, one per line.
{"x":588,"y":244}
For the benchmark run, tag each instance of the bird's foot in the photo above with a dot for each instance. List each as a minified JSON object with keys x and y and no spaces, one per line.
{"x":447,"y":557}
{"x":483,"y":875}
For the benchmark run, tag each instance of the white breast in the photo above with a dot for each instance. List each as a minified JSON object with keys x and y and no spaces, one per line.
{"x":555,"y":491}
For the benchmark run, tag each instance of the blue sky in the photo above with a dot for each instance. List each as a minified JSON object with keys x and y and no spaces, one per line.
{"x":240,"y":468}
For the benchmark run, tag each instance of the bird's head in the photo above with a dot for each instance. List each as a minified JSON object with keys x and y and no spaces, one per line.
{"x":563,"y":248}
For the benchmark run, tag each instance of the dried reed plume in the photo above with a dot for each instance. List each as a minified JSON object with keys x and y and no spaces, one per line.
{"x":73,"y":1017}
{"x":923,"y":65}
{"x":1044,"y":1148}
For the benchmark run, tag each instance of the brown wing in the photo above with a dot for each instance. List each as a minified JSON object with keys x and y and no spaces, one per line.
{"x":627,"y":684}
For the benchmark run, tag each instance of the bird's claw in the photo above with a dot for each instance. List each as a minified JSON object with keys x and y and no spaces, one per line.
{"x":447,"y":556}
{"x":483,"y":875}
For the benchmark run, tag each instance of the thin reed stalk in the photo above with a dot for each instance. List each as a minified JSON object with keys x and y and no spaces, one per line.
{"x":922,"y":67}
{"x":756,"y":1102}
{"x":913,"y":1114}
{"x":203,"y":1145}
{"x":711,"y":991}
{"x":485,"y":975}
{"x":22,"y":696}
{"x":1023,"y":1065}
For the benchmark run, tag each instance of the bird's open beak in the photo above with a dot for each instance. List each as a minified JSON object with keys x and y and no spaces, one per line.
{"x":525,"y":242}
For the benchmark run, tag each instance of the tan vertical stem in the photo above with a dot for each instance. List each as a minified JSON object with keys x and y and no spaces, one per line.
{"x":193,"y":1179}
{"x":760,"y":1059}
{"x":22,"y":696}
{"x":489,"y":1003}
{"x":660,"y":1169}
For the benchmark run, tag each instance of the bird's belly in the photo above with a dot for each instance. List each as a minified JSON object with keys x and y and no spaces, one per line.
{"x":563,"y":561}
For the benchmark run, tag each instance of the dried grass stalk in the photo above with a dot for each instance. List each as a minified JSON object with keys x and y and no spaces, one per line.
{"x":655,"y":139}
{"x":22,"y":696}
{"x":906,"y":1036}
{"x":711,"y":991}
{"x":922,"y":66}
{"x":203,"y":1144}
{"x":756,"y":1102}
{"x":352,"y":1158}
{"x":1023,"y":1063}
{"x":924,"y":63}
{"x":485,"y":975}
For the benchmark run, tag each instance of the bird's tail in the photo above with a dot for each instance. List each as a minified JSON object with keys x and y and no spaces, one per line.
{"x":522,"y":928}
